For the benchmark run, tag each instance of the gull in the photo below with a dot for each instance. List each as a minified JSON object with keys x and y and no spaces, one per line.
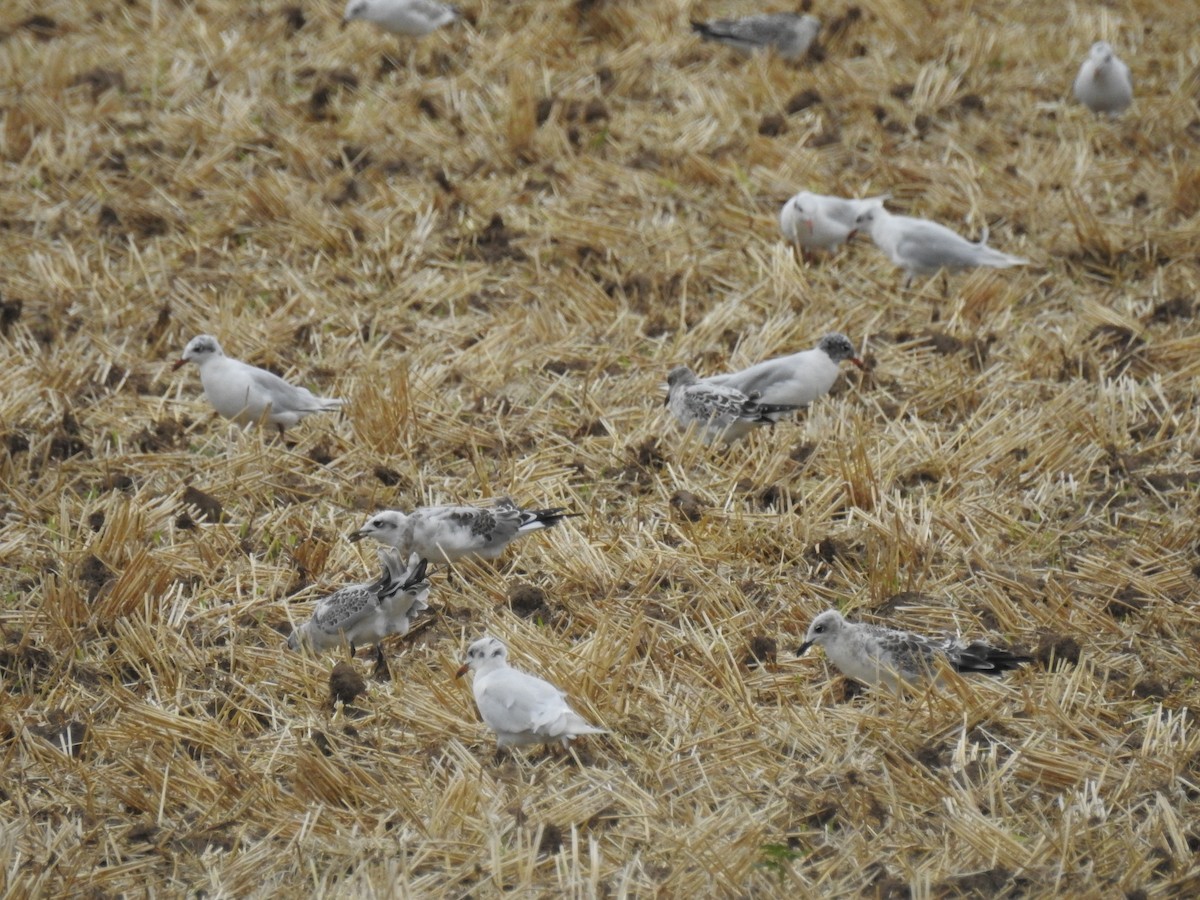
{"x":820,"y":222}
{"x":1103,"y":84}
{"x":876,"y":655}
{"x":449,"y":533}
{"x":790,"y":34}
{"x":521,"y":708}
{"x":367,"y":613}
{"x":795,"y":380}
{"x":921,"y":247}
{"x":246,"y":393}
{"x":414,"y":18}
{"x":721,"y":412}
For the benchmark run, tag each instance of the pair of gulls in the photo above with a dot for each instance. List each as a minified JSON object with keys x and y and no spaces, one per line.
{"x":728,"y":407}
{"x":520,"y":708}
{"x":918,"y":246}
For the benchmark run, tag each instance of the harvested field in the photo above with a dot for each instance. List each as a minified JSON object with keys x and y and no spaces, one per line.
{"x":494,"y":249}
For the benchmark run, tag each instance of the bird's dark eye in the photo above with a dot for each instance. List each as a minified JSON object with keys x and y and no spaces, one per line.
{"x":496,"y":652}
{"x":819,"y":629}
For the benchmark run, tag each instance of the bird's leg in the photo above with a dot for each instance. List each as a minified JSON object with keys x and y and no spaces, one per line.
{"x":945,"y":285}
{"x":382,"y":672}
{"x":353,"y":650}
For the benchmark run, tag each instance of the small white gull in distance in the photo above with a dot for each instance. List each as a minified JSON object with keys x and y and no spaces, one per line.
{"x":811,"y":221}
{"x":413,"y":18}
{"x":719,"y":412}
{"x":788,"y":33}
{"x":449,"y":533}
{"x":922,"y":247}
{"x":246,"y":393}
{"x":367,"y":613}
{"x":1103,"y":84}
{"x":796,"y":380}
{"x":875,"y":655}
{"x":520,"y":708}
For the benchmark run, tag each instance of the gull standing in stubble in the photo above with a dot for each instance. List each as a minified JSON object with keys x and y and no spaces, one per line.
{"x":875,"y":655}
{"x":1103,"y":84}
{"x":719,"y":412}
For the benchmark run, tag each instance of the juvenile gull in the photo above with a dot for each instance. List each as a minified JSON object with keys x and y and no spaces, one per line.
{"x":718,"y":411}
{"x":795,"y":380}
{"x":245,"y":393}
{"x":790,"y":34}
{"x":414,"y":18}
{"x":876,"y":655}
{"x":367,"y":613}
{"x":921,"y":247}
{"x":1103,"y":84}
{"x":521,"y":708}
{"x":449,"y":533}
{"x":820,"y":222}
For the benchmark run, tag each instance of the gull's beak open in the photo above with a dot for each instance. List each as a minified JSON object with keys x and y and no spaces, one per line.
{"x":178,"y":364}
{"x":356,"y":536}
{"x":804,"y":648}
{"x":858,"y":362}
{"x":462,"y":670}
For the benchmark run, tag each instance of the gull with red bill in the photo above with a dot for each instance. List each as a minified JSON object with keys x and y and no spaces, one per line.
{"x":520,"y":708}
{"x":796,"y":380}
{"x":245,"y":393}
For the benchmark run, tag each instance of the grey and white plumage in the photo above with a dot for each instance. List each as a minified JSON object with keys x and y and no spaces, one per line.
{"x":520,"y":708}
{"x":795,"y":380}
{"x":449,"y":533}
{"x":1103,"y":84}
{"x":876,"y":655}
{"x":811,"y":221}
{"x":719,"y":412}
{"x":788,"y":33}
{"x":414,"y":18}
{"x":367,"y":613}
{"x":245,"y":393}
{"x":922,"y":247}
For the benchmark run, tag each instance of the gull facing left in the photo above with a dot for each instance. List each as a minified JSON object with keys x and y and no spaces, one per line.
{"x":367,"y":613}
{"x":876,"y":655}
{"x":245,"y":393}
{"x":449,"y":533}
{"x":520,"y":708}
{"x":922,"y":247}
{"x":719,"y":412}
{"x":413,"y":18}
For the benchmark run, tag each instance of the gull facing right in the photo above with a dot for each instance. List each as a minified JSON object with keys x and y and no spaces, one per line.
{"x":795,"y":380}
{"x":449,"y":533}
{"x":1103,"y":84}
{"x":520,"y":708}
{"x":790,"y":34}
{"x":720,"y":412}
{"x":922,"y":247}
{"x":876,"y":655}
{"x":245,"y":393}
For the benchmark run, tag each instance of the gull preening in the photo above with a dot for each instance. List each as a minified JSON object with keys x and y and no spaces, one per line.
{"x":796,"y":380}
{"x":788,"y":33}
{"x":520,"y":708}
{"x":449,"y":533}
{"x":820,"y":222}
{"x":719,"y":412}
{"x":876,"y":655}
{"x":414,"y":18}
{"x":246,"y":393}
{"x":1103,"y":84}
{"x":367,"y":613}
{"x":922,"y":247}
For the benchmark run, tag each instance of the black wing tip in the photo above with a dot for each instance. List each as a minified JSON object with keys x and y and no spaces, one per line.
{"x":991,"y":660}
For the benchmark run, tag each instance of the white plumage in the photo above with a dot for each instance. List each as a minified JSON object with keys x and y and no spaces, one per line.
{"x":414,"y":18}
{"x":811,"y":221}
{"x":1103,"y":84}
{"x":245,"y":393}
{"x":520,"y":708}
{"x":720,"y":412}
{"x":796,"y":380}
{"x":788,"y":33}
